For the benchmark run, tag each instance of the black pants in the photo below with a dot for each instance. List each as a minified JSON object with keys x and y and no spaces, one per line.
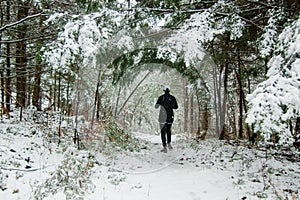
{"x":165,"y":130}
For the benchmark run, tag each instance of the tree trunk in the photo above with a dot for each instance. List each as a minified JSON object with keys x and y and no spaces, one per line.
{"x":36,"y":99}
{"x":54,"y":92}
{"x":7,"y":86}
{"x":216,"y":110}
{"x":117,"y":102}
{"x":192,"y":113}
{"x":98,"y":109}
{"x":21,"y":61}
{"x":186,"y":108}
{"x":236,"y":113}
{"x":241,"y":99}
{"x":96,"y":106}
{"x":68,"y":105}
{"x":8,"y":78}
{"x":1,"y":72}
{"x":297,"y":133}
{"x":199,"y":111}
{"x":222,"y":107}
{"x":224,"y":130}
{"x":59,"y":92}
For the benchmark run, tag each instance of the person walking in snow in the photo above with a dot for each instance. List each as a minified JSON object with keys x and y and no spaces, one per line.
{"x":166,"y":103}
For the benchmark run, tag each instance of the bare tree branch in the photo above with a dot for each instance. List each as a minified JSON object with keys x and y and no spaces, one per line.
{"x":141,"y":81}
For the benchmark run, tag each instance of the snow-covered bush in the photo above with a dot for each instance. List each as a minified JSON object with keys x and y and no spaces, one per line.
{"x":119,"y":138}
{"x":276,"y":101}
{"x":72,"y":177}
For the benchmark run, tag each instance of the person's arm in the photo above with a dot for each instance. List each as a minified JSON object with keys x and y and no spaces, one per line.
{"x":158,"y":103}
{"x":174,"y":105}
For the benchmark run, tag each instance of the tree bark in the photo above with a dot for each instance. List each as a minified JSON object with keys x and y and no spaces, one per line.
{"x":186,"y":108}
{"x":192,"y":113}
{"x":1,"y":72}
{"x":96,"y":106}
{"x":59,"y":92}
{"x":36,"y":98}
{"x":215,"y":101}
{"x":199,"y":111}
{"x":21,"y":61}
{"x":223,"y":105}
{"x":7,"y":86}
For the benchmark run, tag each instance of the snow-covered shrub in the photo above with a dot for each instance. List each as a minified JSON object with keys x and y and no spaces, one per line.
{"x":72,"y":177}
{"x":120,"y":138}
{"x":275,"y":102}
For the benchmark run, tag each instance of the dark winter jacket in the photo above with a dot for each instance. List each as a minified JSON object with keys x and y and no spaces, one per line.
{"x":166,"y":103}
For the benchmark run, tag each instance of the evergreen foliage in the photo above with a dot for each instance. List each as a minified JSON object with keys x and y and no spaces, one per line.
{"x":78,"y":38}
{"x":275,"y":102}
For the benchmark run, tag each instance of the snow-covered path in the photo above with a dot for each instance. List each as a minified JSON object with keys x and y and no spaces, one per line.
{"x":209,"y":169}
{"x":171,"y":183}
{"x":154,"y":175}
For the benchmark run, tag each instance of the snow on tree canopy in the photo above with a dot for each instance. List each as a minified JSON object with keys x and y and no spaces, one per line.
{"x":267,"y":41}
{"x":188,"y":40}
{"x":277,"y":100}
{"x":81,"y":39}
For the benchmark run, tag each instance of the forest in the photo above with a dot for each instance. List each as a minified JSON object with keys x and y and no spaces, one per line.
{"x":237,"y":61}
{"x":84,"y":71}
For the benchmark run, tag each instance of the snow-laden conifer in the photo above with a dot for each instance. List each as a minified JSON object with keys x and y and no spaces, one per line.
{"x":275,"y":101}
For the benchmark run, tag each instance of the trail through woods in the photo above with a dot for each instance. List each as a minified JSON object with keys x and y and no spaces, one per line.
{"x":34,"y":168}
{"x":208,"y":169}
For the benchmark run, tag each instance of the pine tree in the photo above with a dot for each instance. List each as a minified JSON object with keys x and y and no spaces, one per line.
{"x":275,"y":102}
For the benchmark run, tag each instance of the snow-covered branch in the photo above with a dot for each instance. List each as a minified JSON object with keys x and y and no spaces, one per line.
{"x":44,"y":37}
{"x":20,"y":21}
{"x":275,"y":101}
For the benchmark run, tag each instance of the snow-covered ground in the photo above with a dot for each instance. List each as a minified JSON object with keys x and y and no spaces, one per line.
{"x":32,"y":167}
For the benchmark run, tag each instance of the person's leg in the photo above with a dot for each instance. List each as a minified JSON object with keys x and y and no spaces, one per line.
{"x":163,"y":137}
{"x":168,"y":132}
{"x":163,"y":134}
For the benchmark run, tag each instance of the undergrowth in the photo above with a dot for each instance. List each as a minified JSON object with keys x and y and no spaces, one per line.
{"x":117,"y":137}
{"x":72,"y":176}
